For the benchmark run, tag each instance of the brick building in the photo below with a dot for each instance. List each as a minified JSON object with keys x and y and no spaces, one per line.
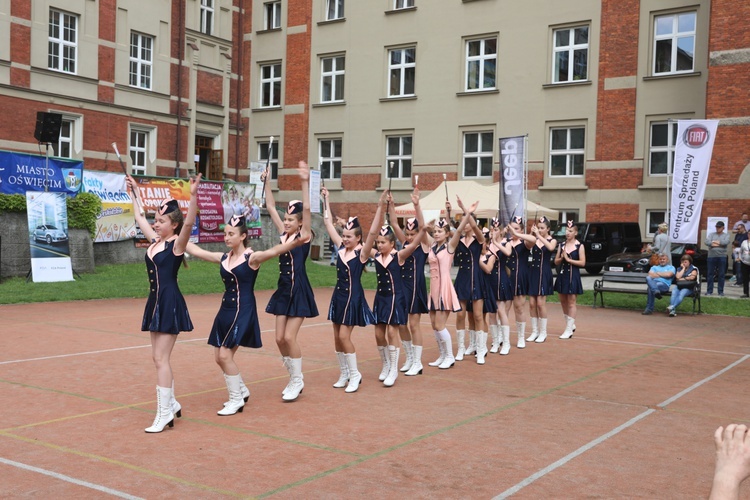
{"x":429,"y":85}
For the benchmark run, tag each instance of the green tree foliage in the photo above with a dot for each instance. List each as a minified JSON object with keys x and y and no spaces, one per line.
{"x":83,"y":210}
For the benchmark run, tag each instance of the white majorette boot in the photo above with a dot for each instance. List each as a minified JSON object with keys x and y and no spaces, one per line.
{"x":297,"y":383}
{"x":416,"y":365}
{"x":505,"y":329}
{"x":386,"y":362}
{"x":542,"y":331}
{"x":441,"y":348}
{"x":176,"y":406}
{"x":355,"y":378}
{"x":236,"y":403}
{"x":409,"y":350}
{"x":534,"y":330}
{"x":521,"y":330}
{"x":568,"y":333}
{"x":243,"y":389}
{"x":481,"y":346}
{"x":344,"y":376}
{"x":460,"y":337}
{"x":449,"y":360}
{"x":472,"y":349}
{"x":288,"y":366}
{"x":164,"y":415}
{"x":495,"y":332}
{"x":393,"y":353}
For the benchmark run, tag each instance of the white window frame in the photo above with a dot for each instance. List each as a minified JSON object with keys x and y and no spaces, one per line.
{"x":675,"y":35}
{"x":480,"y":154}
{"x":659,"y":220}
{"x":333,"y":78}
{"x":272,"y":15}
{"x":669,"y":148}
{"x":332,"y":160}
{"x":570,"y":49}
{"x":207,"y":17}
{"x":138,"y":152}
{"x":263,"y":157}
{"x":66,"y":140}
{"x":568,"y":152}
{"x":334,"y":10}
{"x":402,"y":69}
{"x":402,"y":4}
{"x":481,"y":60}
{"x":64,"y":42}
{"x":141,"y":65}
{"x":399,"y":158}
{"x":268,"y":85}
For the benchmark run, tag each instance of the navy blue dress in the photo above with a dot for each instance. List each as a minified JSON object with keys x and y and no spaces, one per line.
{"x":348,"y":304}
{"x":293,"y":295}
{"x":518,"y":264}
{"x":540,"y":276}
{"x":489,"y":289}
{"x":166,"y":310}
{"x":504,"y":290}
{"x":236,"y":322}
{"x":390,"y":303}
{"x":468,"y":283}
{"x":415,"y":285}
{"x":569,"y":278}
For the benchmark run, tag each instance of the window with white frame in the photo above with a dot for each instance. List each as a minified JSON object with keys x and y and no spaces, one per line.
{"x":402,"y":66}
{"x":329,"y":158}
{"x":481,"y":64}
{"x":403,"y":4}
{"x":207,"y":17}
{"x":63,"y":41}
{"x":398,"y":152}
{"x":263,"y":156}
{"x":334,"y":9}
{"x":653,"y":219}
{"x":674,"y":43}
{"x":270,"y":85}
{"x":64,"y":146}
{"x":332,"y":78}
{"x":138,"y":149}
{"x":566,"y":152}
{"x":661,"y":150}
{"x":478,"y":154}
{"x":570,"y":54}
{"x":141,"y":60}
{"x":273,"y":15}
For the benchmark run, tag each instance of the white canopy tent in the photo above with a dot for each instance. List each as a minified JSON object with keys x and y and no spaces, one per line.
{"x":469,"y":191}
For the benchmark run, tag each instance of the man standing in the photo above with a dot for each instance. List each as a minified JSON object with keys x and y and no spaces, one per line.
{"x":658,"y":281}
{"x":717,"y":243}
{"x":744,"y":221}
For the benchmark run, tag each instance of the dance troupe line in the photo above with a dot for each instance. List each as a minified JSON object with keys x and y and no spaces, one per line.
{"x":498,"y":268}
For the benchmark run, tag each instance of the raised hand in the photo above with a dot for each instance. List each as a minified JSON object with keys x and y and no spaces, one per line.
{"x":473,"y":207}
{"x":324,"y":192}
{"x":415,"y":196}
{"x":194,"y":182}
{"x":303,"y":170}
{"x":460,"y":203}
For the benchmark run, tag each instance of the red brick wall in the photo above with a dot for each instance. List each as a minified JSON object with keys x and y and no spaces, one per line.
{"x":210,"y":88}
{"x":729,"y":25}
{"x":612,"y":212}
{"x":619,"y":178}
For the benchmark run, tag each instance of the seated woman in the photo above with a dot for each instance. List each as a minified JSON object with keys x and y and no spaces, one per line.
{"x":686,"y":272}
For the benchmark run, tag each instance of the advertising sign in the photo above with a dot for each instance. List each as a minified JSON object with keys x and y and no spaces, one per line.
{"x":21,"y":172}
{"x":48,"y":236}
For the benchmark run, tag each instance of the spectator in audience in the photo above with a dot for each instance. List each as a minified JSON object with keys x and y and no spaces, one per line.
{"x":717,"y":243}
{"x":658,"y":281}
{"x":744,"y":221}
{"x":686,"y":279}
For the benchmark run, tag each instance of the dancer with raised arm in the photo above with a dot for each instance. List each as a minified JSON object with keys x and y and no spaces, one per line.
{"x":293,"y":300}
{"x":348,"y":304}
{"x":501,"y":285}
{"x":540,"y":278}
{"x":572,"y":256}
{"x":517,"y":251}
{"x":166,"y":313}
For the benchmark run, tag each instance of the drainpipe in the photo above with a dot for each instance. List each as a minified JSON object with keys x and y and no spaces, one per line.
{"x":180,"y":55}
{"x":238,"y":132}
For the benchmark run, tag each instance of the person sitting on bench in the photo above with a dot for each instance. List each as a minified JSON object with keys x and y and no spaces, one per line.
{"x":658,"y":281}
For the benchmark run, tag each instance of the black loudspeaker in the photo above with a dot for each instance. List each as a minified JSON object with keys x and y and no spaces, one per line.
{"x":47,"y":127}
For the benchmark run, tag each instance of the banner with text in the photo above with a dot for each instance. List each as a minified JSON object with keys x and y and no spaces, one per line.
{"x":512,"y":164}
{"x":21,"y":172}
{"x":692,"y":159}
{"x":116,"y":221}
{"x":47,"y":216}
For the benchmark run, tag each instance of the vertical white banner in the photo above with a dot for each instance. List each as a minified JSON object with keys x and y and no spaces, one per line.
{"x":48,"y":236}
{"x":314,"y":191}
{"x":692,"y":159}
{"x":512,"y":162}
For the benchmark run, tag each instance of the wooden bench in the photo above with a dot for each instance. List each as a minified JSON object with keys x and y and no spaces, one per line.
{"x":627,"y":282}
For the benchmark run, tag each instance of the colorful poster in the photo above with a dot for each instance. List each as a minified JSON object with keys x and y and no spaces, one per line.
{"x":243,"y":199}
{"x":21,"y":172}
{"x":48,"y":236}
{"x":116,"y":220}
{"x":153,"y":190}
{"x":211,"y":212}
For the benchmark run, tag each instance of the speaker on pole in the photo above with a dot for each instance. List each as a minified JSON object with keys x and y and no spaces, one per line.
{"x":47,"y":127}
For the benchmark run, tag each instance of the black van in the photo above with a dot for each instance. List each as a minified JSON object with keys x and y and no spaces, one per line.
{"x":602,"y":239}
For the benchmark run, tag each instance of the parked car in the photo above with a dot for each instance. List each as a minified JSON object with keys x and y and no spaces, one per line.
{"x":49,"y":234}
{"x":638,"y":262}
{"x":603,"y":239}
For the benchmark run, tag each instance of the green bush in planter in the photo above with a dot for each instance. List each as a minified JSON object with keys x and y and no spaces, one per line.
{"x":83,"y":210}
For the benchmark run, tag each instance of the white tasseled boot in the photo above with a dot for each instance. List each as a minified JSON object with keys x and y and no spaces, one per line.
{"x":288,"y":366}
{"x":355,"y":378}
{"x":481,"y":347}
{"x":164,"y":415}
{"x":472,"y":349}
{"x":344,"y":375}
{"x":521,"y":330}
{"x":297,"y":383}
{"x":449,"y":360}
{"x":236,"y":403}
{"x":243,"y":389}
{"x":409,"y":351}
{"x":505,"y":329}
{"x":542,"y":331}
{"x":386,"y":362}
{"x":176,"y":406}
{"x":495,"y":332}
{"x":393,"y":353}
{"x":416,"y":365}
{"x":460,"y":337}
{"x":534,"y":330}
{"x":568,"y":333}
{"x":441,"y":348}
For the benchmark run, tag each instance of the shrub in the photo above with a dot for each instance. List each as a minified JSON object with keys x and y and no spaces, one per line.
{"x":83,"y":210}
